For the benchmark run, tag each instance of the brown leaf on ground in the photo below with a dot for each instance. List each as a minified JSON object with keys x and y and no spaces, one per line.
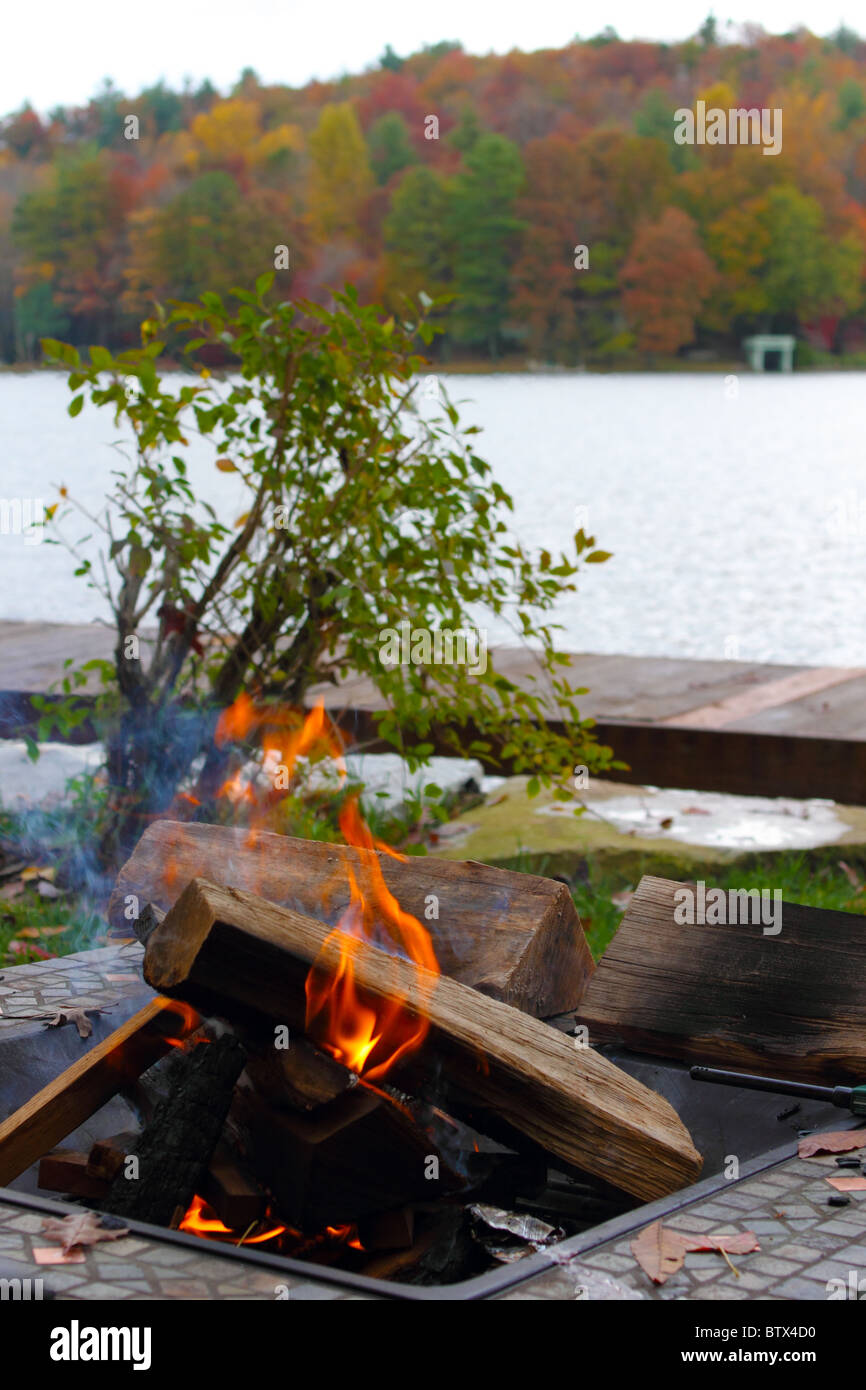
{"x":661,"y":1251}
{"x":847,"y":1184}
{"x":34,"y":933}
{"x":19,"y":948}
{"x":838,"y":1141}
{"x":37,"y":871}
{"x":83,"y":1230}
{"x":742,"y":1243}
{"x":851,"y":876}
{"x":75,"y":1015}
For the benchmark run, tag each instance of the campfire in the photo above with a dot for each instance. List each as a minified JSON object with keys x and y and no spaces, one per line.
{"x":347,"y":1059}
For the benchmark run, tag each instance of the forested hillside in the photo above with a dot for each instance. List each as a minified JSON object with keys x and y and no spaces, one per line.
{"x":476,"y":177}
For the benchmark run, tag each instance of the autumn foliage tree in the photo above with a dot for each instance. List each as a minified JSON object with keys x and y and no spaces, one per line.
{"x":665,"y":281}
{"x":442,"y":171}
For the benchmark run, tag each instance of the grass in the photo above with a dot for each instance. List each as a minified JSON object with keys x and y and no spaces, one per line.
{"x":811,"y":878}
{"x":39,"y":920}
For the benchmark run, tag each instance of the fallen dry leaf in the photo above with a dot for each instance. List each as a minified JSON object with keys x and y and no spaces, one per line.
{"x":83,"y":1230}
{"x":75,"y":1015}
{"x":837,"y":1141}
{"x":34,"y":871}
{"x":33,"y":933}
{"x":742,"y":1243}
{"x":696,"y":811}
{"x":851,"y":876}
{"x":17,"y":948}
{"x":847,"y":1184}
{"x":660,"y":1251}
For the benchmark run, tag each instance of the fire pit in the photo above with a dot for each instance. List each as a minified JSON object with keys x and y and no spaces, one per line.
{"x":581,"y":1212}
{"x":350,"y":1061}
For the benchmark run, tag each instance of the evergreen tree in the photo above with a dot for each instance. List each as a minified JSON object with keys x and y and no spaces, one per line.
{"x":486,"y":232}
{"x":467,"y":132}
{"x":417,"y":236}
{"x":389,"y":145}
{"x":391,"y":60}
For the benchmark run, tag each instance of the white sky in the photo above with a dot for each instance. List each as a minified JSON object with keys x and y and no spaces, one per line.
{"x":56,"y":52}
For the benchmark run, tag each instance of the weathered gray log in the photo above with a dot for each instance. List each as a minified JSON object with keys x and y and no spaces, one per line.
{"x":515,"y":937}
{"x":783,"y":997}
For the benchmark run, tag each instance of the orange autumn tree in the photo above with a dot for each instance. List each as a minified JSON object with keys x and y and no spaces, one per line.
{"x":665,"y":280}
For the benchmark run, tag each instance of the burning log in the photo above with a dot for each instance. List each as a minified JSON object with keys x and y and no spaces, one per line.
{"x":75,"y":1095}
{"x":237,"y":1202}
{"x":515,"y":937}
{"x":300,"y":1077}
{"x":229,"y":952}
{"x":354,"y":1157}
{"x":177,"y":1144}
{"x":330,"y":1149}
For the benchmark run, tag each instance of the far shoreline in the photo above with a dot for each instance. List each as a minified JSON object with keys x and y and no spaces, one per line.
{"x":519,"y":366}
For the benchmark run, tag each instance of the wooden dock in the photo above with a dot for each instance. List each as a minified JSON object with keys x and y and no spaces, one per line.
{"x":728,"y":726}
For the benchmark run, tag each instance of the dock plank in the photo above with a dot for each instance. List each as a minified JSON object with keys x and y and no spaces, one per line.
{"x":769,"y":694}
{"x":745,"y":727}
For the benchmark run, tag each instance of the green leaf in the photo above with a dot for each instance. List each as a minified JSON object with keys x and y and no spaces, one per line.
{"x":63,"y":352}
{"x":597,"y":557}
{"x":75,"y":405}
{"x":264,"y":282}
{"x":101,"y":359}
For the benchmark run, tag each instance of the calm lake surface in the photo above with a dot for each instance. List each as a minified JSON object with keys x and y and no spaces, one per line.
{"x":737,"y":523}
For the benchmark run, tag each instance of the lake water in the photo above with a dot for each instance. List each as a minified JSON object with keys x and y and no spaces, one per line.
{"x":737,"y":521}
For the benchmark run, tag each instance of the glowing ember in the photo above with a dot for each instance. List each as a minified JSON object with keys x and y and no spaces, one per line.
{"x":188,"y":1022}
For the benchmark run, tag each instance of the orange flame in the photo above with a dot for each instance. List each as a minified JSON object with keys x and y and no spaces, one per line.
{"x":202,"y":1220}
{"x":367,"y":1035}
{"x":188,"y":1021}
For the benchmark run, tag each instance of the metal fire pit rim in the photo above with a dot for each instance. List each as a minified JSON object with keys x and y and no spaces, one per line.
{"x":485,"y":1285}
